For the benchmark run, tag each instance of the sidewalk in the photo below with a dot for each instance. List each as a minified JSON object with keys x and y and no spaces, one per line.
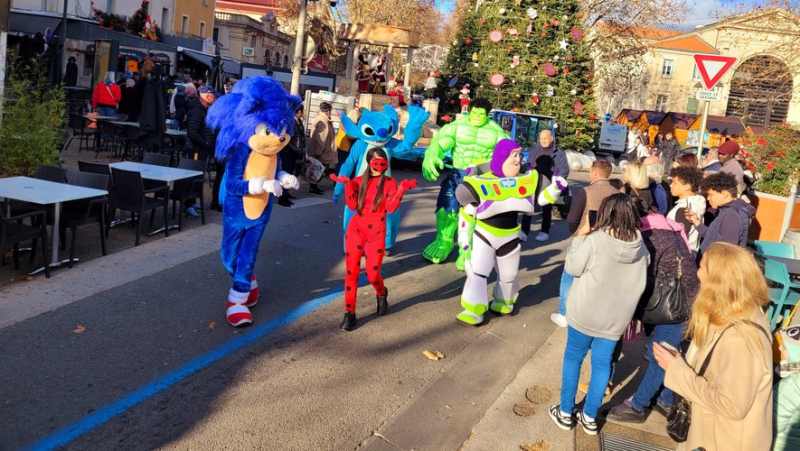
{"x":538,"y":385}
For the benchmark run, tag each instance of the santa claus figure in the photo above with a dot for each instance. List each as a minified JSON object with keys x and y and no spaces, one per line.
{"x":464,"y":99}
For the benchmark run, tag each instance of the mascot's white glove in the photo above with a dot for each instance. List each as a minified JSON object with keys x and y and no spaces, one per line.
{"x":552,"y":193}
{"x":256,"y":185}
{"x":465,"y":227}
{"x":273,"y":187}
{"x":288,"y":181}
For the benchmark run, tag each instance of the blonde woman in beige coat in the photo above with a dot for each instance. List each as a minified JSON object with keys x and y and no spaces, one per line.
{"x":732,"y":401}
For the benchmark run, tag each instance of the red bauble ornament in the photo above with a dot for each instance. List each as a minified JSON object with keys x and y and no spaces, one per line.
{"x":549,"y":69}
{"x":580,"y":15}
{"x":569,"y":59}
{"x":578,"y":132}
{"x":544,"y":35}
{"x":546,"y":25}
{"x":510,"y":48}
{"x":577,"y":34}
{"x":468,"y":41}
{"x":535,"y":99}
{"x":554,"y":22}
{"x":577,"y":107}
{"x":497,"y":79}
{"x":586,"y":91}
{"x":483,"y":21}
{"x":437,"y":74}
{"x":566,"y":70}
{"x":592,"y":117}
{"x":588,"y":76}
{"x":452,"y":102}
{"x":496,"y":36}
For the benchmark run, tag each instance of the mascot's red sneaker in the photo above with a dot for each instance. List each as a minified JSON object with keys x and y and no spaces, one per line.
{"x":238,"y":314}
{"x":252,"y":299}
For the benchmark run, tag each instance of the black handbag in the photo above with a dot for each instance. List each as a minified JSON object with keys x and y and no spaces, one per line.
{"x":679,"y":417}
{"x":667,"y":303}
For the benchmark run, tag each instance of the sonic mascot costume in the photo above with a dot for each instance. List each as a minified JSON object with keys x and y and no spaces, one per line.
{"x":492,"y":195}
{"x":377,"y":130}
{"x":255,"y":121}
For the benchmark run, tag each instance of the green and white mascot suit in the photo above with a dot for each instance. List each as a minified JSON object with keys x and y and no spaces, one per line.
{"x":491,"y":197}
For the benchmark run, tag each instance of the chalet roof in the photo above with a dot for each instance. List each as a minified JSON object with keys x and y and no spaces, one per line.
{"x":260,"y":7}
{"x":654,"y":117}
{"x":691,"y":43}
{"x":631,"y":115}
{"x":681,"y":120}
{"x":730,"y":126}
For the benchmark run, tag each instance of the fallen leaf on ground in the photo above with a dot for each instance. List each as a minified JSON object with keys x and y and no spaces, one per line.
{"x":541,"y":445}
{"x":538,"y":394}
{"x":447,"y":406}
{"x":212,"y":325}
{"x":436,"y":355}
{"x":525,"y":410}
{"x":79,"y":330}
{"x":27,"y":277}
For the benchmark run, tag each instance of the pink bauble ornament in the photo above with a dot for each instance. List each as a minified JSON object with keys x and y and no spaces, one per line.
{"x":496,"y":36}
{"x":549,"y":69}
{"x":497,"y":79}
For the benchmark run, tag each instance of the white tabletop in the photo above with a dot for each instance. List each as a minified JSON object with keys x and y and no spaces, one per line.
{"x":158,"y":173}
{"x":42,"y":192}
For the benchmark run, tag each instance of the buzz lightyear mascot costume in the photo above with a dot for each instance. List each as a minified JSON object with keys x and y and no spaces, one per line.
{"x":492,"y":195}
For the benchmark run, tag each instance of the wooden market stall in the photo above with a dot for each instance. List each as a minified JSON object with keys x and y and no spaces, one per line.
{"x":718,"y":128}
{"x":678,"y":124}
{"x":648,"y":123}
{"x":628,"y":117}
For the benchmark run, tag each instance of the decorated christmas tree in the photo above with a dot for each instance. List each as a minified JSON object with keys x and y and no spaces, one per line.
{"x":528,"y":56}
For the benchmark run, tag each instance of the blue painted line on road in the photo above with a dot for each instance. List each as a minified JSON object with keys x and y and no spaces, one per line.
{"x":72,"y":431}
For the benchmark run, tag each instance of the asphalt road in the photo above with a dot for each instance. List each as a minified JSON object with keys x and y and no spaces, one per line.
{"x":158,"y":367}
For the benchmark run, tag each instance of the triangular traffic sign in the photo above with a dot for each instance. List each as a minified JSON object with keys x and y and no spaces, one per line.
{"x":713,"y":67}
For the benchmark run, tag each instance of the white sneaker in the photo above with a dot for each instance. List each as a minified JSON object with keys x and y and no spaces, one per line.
{"x":559,"y":319}
{"x":523,"y":237}
{"x":542,"y":237}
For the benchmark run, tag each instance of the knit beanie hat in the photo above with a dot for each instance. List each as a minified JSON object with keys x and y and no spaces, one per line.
{"x":501,"y":152}
{"x":325,"y":106}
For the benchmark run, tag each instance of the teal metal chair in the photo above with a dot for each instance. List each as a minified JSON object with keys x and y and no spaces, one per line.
{"x":784,"y":296}
{"x":770,"y":249}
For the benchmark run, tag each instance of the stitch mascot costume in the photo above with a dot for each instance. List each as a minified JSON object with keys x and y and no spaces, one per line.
{"x":472,"y":139}
{"x":255,"y":121}
{"x":492,"y":195}
{"x":376,"y":129}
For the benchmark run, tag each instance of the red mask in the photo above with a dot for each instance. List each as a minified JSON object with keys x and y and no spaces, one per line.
{"x":379,"y":164}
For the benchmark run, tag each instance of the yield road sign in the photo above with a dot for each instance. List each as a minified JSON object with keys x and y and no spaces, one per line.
{"x":713,"y":67}
{"x":708,"y":96}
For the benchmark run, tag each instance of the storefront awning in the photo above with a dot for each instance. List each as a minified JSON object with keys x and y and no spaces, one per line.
{"x":124,"y":53}
{"x":231,"y":66}
{"x":31,"y":24}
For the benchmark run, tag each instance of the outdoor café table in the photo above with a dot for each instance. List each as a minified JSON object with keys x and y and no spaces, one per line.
{"x":95,"y":119}
{"x":159,"y":174}
{"x":792,"y":265}
{"x":42,"y":192}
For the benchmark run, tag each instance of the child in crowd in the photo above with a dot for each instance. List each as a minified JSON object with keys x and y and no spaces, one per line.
{"x":684,"y":184}
{"x":598,"y":312}
{"x":371,"y":196}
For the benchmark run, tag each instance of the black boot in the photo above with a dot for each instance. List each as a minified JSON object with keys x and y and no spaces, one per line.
{"x":349,"y":322}
{"x":383,"y":303}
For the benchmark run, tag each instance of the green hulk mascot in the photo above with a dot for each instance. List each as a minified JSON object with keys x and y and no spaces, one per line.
{"x":472,"y":139}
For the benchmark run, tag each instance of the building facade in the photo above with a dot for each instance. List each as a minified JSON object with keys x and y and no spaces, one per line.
{"x":763,"y":88}
{"x":194,"y":18}
{"x":248,"y":40}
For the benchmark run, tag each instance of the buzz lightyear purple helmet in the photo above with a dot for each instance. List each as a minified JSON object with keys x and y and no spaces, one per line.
{"x":501,"y":152}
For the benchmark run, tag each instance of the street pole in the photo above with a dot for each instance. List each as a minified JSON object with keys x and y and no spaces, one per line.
{"x":299,"y":49}
{"x":63,"y":41}
{"x":703,"y":123}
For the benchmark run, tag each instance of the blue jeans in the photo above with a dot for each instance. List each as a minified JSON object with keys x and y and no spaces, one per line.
{"x":654,"y":376}
{"x":106,"y":111}
{"x":578,"y":345}
{"x":563,"y":291}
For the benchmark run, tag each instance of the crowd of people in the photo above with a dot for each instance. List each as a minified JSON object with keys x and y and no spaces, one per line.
{"x":657,"y":230}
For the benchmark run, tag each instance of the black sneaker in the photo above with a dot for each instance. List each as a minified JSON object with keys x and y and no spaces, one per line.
{"x":383,"y":303}
{"x":589,"y":427}
{"x":626,"y":413}
{"x":349,"y":322}
{"x":564,"y":422}
{"x":285,"y":202}
{"x":316,"y":192}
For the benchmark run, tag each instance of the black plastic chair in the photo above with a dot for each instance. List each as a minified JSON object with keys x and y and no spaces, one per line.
{"x":51,"y":173}
{"x":102,"y":169}
{"x":12,"y":231}
{"x":112,"y":137}
{"x":81,"y":131}
{"x":131,"y":196}
{"x":191,"y":188}
{"x":156,"y":159}
{"x":78,"y":212}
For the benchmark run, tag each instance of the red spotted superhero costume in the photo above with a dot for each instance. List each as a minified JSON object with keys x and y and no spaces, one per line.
{"x":366,"y":233}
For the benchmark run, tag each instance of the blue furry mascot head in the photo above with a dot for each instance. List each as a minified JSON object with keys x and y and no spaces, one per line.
{"x":374,"y":128}
{"x":255,"y":121}
{"x":258,"y":112}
